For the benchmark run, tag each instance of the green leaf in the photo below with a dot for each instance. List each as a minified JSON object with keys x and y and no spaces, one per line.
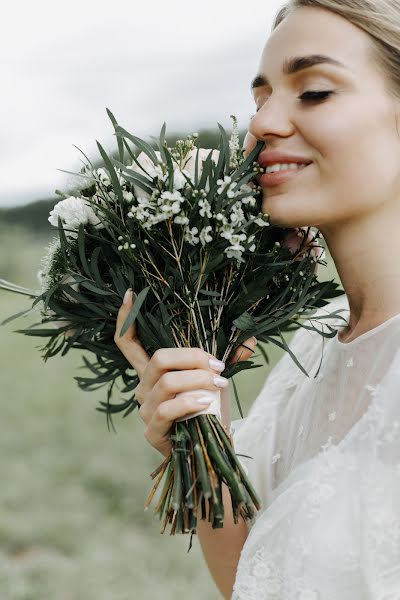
{"x":140,"y":180}
{"x":141,"y":144}
{"x":162,"y":142}
{"x":237,"y":397}
{"x":248,"y":161}
{"x":113,"y":175}
{"x":133,"y":313}
{"x":225,"y":146}
{"x":81,"y":249}
{"x":245,"y":321}
{"x":94,"y":263}
{"x":90,"y":286}
{"x":170,"y":169}
{"x":119,"y":140}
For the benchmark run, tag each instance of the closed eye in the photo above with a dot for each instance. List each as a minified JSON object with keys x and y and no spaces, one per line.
{"x":310,"y":96}
{"x":315,"y":96}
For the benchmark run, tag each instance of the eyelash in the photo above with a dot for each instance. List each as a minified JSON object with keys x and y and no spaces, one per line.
{"x":311,"y":96}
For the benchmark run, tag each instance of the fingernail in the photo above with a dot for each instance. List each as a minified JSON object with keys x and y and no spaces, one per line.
{"x":127,"y":295}
{"x":220,"y":381}
{"x":217,"y":365}
{"x":255,"y":340}
{"x":204,"y":400}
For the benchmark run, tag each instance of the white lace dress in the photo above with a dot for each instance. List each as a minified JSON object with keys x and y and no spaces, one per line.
{"x":326,"y":464}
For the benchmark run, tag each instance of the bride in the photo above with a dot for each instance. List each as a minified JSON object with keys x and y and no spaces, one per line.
{"x":323,"y":451}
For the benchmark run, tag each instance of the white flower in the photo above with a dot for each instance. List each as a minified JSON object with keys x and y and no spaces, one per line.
{"x":181,"y":220}
{"x":104,"y":176}
{"x":74,"y":212}
{"x":237,"y":215}
{"x":170,"y":202}
{"x":128,"y":196}
{"x":260,"y":221}
{"x":205,"y":236}
{"x":203,"y":154}
{"x":190,"y":236}
{"x":205,"y":208}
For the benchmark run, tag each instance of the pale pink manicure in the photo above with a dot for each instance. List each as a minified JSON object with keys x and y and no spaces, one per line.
{"x":127,"y":295}
{"x":217,"y":365}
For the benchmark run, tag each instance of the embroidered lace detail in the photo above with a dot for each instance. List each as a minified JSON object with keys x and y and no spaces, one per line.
{"x":327,"y":461}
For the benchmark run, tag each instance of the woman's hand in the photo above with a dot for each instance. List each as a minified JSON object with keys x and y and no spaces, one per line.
{"x":167,"y":373}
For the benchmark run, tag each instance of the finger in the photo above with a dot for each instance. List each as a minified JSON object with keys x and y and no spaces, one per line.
{"x":178,"y":359}
{"x":245,"y":350}
{"x":172,"y":383}
{"x":166,"y":414}
{"x":129,"y":344}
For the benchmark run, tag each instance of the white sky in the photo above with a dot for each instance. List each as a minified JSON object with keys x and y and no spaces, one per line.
{"x":184,"y":62}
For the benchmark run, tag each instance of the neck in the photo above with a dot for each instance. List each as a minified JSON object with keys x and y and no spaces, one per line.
{"x":366,"y":255}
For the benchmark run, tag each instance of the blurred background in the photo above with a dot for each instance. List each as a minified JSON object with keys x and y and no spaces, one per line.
{"x":72,"y":524}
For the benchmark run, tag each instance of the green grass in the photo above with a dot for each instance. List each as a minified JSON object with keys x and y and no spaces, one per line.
{"x":72,"y":524}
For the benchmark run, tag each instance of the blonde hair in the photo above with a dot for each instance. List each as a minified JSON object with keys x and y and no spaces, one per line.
{"x":380,"y":19}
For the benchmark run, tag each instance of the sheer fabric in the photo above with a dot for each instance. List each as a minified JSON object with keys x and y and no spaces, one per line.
{"x":323,"y":453}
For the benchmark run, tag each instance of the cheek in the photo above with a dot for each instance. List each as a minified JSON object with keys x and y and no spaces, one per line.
{"x":357,"y":157}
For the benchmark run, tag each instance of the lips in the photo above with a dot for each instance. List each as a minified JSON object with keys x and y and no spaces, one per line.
{"x":278,"y":177}
{"x":271,"y":157}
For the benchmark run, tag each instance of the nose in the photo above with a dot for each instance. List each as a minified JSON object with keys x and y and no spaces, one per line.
{"x":272,"y":120}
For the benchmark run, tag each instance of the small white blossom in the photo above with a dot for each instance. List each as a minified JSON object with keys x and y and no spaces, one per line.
{"x":205,"y":236}
{"x":260,"y":221}
{"x":223,"y":183}
{"x":205,"y":208}
{"x":104,"y":176}
{"x":237,"y":215}
{"x":181,"y":220}
{"x":190,"y":236}
{"x":128,"y":196}
{"x":226,"y":231}
{"x":170,"y":202}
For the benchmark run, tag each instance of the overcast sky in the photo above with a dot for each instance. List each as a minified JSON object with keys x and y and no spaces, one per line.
{"x":184,"y":62}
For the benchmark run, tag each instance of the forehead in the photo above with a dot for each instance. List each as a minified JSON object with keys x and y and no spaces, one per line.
{"x":309,"y":30}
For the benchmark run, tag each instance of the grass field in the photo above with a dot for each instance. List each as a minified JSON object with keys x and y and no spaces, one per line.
{"x":72,"y":525}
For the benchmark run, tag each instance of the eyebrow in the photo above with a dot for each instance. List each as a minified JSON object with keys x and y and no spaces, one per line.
{"x":296,"y":64}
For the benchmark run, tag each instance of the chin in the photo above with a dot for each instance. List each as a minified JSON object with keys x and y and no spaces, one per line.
{"x":284,"y":216}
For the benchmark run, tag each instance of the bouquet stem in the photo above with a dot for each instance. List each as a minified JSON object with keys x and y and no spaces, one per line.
{"x":201,"y":459}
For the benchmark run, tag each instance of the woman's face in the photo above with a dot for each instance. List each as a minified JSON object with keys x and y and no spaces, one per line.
{"x":350,"y":136}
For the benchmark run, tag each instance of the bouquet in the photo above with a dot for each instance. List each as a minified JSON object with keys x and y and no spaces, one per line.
{"x":182,"y":227}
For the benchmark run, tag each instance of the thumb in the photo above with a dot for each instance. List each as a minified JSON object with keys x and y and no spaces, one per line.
{"x":245,"y":350}
{"x":130,"y":344}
